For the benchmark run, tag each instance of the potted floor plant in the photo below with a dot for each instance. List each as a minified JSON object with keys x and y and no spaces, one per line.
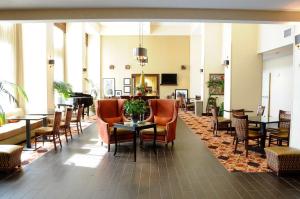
{"x":135,"y":108}
{"x":5,"y":89}
{"x":63,"y":89}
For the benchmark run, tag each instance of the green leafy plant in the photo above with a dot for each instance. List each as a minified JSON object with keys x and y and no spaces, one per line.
{"x":215,"y":84}
{"x":135,"y":107}
{"x":5,"y":89}
{"x":63,"y":88}
{"x":221,"y":109}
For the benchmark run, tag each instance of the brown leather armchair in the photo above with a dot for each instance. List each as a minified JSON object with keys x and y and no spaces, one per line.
{"x":164,"y":113}
{"x":110,"y":111}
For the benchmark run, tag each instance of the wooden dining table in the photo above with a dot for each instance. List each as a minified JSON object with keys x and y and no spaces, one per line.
{"x":263,"y":122}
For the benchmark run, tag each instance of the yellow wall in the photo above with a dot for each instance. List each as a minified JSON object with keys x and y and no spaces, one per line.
{"x":166,"y":55}
{"x":246,"y":72}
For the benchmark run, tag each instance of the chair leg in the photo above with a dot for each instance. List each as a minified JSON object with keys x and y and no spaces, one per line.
{"x":172,"y":143}
{"x":270,"y":140}
{"x":236,"y":143}
{"x":77,"y":128}
{"x":108,"y":147}
{"x":246,"y":147}
{"x":66,"y":135}
{"x":233,"y":140}
{"x":80,"y":128}
{"x":59,"y":141}
{"x":54,"y":142}
{"x":70,"y":132}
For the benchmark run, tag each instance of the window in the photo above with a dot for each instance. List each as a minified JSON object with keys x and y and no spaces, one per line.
{"x":35,"y":66}
{"x":8,"y":63}
{"x":58,"y":40}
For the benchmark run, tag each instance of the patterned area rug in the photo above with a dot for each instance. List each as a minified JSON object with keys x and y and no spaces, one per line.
{"x":223,"y":148}
{"x":29,"y":156}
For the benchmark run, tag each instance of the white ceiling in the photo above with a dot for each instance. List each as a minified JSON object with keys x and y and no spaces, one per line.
{"x":147,"y":28}
{"x":214,"y":4}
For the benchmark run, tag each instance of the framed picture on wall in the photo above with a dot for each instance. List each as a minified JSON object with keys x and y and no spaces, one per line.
{"x":181,"y":93}
{"x":108,"y":87}
{"x":127,"y":89}
{"x":216,"y":84}
{"x":118,"y":93}
{"x":127,"y":81}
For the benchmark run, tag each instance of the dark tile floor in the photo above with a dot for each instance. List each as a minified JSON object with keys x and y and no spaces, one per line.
{"x":83,"y":169}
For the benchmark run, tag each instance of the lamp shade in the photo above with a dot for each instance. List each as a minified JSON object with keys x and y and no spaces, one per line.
{"x":140,"y":52}
{"x":297,"y":41}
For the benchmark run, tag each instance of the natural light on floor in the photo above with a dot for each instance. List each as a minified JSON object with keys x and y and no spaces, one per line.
{"x":92,"y":159}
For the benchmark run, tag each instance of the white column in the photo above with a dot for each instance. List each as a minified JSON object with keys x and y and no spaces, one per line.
{"x":295,"y":120}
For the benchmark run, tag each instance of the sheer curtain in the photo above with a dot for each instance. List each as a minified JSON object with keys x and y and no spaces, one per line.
{"x":58,"y":40}
{"x":34,"y":40}
{"x":8,"y":61}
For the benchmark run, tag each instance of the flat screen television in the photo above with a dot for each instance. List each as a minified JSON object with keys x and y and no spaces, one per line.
{"x":168,"y":78}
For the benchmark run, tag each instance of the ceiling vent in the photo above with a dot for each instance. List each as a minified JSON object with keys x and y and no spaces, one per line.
{"x":287,"y":33}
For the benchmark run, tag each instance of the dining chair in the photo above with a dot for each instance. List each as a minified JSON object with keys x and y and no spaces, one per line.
{"x":243,"y":134}
{"x":66,"y":124}
{"x":77,"y":119}
{"x":219,"y":123}
{"x":49,"y":131}
{"x":282,"y":133}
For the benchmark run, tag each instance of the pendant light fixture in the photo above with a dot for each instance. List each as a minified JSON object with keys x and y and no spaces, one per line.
{"x":140,"y":53}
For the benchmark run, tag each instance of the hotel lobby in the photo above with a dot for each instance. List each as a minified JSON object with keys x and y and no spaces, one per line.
{"x":136,"y":99}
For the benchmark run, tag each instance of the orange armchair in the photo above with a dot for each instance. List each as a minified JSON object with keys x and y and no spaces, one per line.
{"x":110,"y":111}
{"x":164,"y":113}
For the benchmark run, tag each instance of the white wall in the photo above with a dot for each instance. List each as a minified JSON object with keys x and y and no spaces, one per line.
{"x":295,"y":124}
{"x":212,"y":55}
{"x":272,"y":36}
{"x":281,"y":69}
{"x":75,"y":54}
{"x":196,"y":62}
{"x":226,"y":54}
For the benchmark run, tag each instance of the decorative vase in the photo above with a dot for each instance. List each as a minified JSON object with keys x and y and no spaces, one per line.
{"x":139,"y":93}
{"x":135,"y":118}
{"x":2,"y":119}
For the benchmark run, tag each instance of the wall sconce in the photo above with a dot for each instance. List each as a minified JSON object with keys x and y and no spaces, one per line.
{"x":127,"y":67}
{"x":297,"y":41}
{"x":111,"y":67}
{"x":183,"y":67}
{"x":51,"y":62}
{"x":226,"y":62}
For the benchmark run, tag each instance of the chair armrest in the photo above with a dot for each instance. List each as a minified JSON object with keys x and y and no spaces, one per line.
{"x":103,"y":129}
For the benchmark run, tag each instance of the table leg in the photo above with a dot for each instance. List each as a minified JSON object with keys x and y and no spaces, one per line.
{"x":154,"y":139}
{"x":263,"y":139}
{"x":116,"y":141}
{"x":28,"y":134}
{"x":134,"y":144}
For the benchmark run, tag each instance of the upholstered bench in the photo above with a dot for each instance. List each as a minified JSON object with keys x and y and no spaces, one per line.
{"x":10,"y":157}
{"x":283,"y":159}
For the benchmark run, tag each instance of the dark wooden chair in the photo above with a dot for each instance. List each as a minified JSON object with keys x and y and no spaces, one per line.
{"x":66,"y":124}
{"x":282,"y":133}
{"x":77,"y":119}
{"x":243,"y":133}
{"x":50,"y":131}
{"x":219,"y":123}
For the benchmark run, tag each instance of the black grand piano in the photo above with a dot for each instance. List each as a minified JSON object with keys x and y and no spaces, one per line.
{"x":80,"y":98}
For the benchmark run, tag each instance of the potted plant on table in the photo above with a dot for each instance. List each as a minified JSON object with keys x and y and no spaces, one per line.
{"x":5,"y":89}
{"x":135,"y":108}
